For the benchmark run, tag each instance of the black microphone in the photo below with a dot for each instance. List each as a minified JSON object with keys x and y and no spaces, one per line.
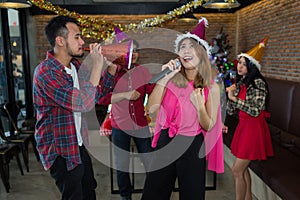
{"x":163,"y":73}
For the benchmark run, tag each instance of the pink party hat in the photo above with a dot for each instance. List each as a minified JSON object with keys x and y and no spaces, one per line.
{"x":198,"y":34}
{"x":200,"y":28}
{"x":120,"y":36}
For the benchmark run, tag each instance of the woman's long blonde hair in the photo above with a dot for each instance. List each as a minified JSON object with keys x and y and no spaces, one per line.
{"x":203,"y":77}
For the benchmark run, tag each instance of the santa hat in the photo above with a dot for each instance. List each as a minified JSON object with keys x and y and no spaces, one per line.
{"x":120,"y":36}
{"x":255,"y":54}
{"x":198,"y":34}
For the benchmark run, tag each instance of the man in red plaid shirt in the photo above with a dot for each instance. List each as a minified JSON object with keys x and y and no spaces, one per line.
{"x":61,"y":93}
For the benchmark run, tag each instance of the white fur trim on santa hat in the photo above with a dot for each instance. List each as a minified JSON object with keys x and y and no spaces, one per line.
{"x":195,"y":37}
{"x":205,"y":21}
{"x":252,"y":60}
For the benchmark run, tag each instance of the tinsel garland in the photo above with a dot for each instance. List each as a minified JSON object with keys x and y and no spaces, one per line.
{"x":96,"y":28}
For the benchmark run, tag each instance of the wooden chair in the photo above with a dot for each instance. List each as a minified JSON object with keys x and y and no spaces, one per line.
{"x":7,"y":152}
{"x":20,"y":137}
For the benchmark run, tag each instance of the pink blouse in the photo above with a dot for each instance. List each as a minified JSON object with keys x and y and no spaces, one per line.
{"x":179,"y":114}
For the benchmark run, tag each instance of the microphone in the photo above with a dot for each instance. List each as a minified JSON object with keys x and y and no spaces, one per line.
{"x":163,"y":73}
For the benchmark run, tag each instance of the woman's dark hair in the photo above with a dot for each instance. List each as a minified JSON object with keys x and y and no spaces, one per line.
{"x":57,"y":27}
{"x":252,"y":74}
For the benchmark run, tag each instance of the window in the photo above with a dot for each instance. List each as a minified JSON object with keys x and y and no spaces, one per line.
{"x":15,"y":83}
{"x":16,"y":55}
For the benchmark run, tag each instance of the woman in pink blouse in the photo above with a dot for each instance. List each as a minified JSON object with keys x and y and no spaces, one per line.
{"x":188,"y":102}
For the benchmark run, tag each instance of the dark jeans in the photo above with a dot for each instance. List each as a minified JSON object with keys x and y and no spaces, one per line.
{"x":77,"y":184}
{"x":121,"y":140}
{"x":188,"y":168}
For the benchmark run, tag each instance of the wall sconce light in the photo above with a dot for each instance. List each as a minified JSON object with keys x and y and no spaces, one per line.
{"x":188,"y":18}
{"x":14,"y":43}
{"x":15,"y":4}
{"x":221,"y":4}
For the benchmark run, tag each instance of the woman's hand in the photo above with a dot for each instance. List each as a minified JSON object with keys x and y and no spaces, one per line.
{"x":174,"y":70}
{"x":198,"y":99}
{"x":132,"y":95}
{"x":231,"y":91}
{"x":225,"y":129}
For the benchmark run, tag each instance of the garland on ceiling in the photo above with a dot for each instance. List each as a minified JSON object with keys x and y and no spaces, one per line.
{"x":96,"y":28}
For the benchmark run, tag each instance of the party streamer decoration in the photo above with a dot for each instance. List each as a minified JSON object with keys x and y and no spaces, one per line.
{"x":93,"y":27}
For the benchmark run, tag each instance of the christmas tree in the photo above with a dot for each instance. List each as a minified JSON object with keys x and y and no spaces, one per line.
{"x":220,"y":52}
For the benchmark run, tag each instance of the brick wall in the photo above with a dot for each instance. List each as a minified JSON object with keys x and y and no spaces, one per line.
{"x":245,"y":28}
{"x":280,"y":20}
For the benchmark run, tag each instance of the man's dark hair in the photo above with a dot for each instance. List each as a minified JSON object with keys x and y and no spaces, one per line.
{"x":133,"y":41}
{"x":57,"y":27}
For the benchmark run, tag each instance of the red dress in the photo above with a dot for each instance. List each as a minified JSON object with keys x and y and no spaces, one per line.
{"x":251,"y":140}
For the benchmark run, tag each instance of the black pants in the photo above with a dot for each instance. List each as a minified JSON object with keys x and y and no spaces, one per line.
{"x":188,"y":167}
{"x":101,"y":112}
{"x":77,"y":184}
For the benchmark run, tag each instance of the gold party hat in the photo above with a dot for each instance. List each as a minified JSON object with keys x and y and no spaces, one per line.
{"x":255,"y":54}
{"x":258,"y":50}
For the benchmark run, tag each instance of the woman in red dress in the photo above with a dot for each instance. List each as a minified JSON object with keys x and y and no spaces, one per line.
{"x":251,"y":140}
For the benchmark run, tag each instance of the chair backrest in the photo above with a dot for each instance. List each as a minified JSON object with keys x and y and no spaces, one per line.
{"x":2,"y":111}
{"x":12,"y":111}
{"x":2,"y":132}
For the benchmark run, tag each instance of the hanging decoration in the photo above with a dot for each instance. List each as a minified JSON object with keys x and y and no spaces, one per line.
{"x":96,"y":28}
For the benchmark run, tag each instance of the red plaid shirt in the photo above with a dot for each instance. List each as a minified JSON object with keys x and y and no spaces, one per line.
{"x":55,"y":100}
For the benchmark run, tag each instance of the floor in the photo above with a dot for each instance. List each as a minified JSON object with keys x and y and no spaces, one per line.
{"x":37,"y":183}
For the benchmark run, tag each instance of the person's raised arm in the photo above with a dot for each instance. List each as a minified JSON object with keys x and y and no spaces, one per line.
{"x":97,"y":58}
{"x":158,"y":92}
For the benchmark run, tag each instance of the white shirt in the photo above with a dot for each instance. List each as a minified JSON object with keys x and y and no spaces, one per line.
{"x":77,"y":115}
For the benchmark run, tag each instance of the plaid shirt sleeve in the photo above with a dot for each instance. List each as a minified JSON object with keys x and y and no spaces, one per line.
{"x":255,"y":99}
{"x":105,"y":88}
{"x":64,"y":94}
